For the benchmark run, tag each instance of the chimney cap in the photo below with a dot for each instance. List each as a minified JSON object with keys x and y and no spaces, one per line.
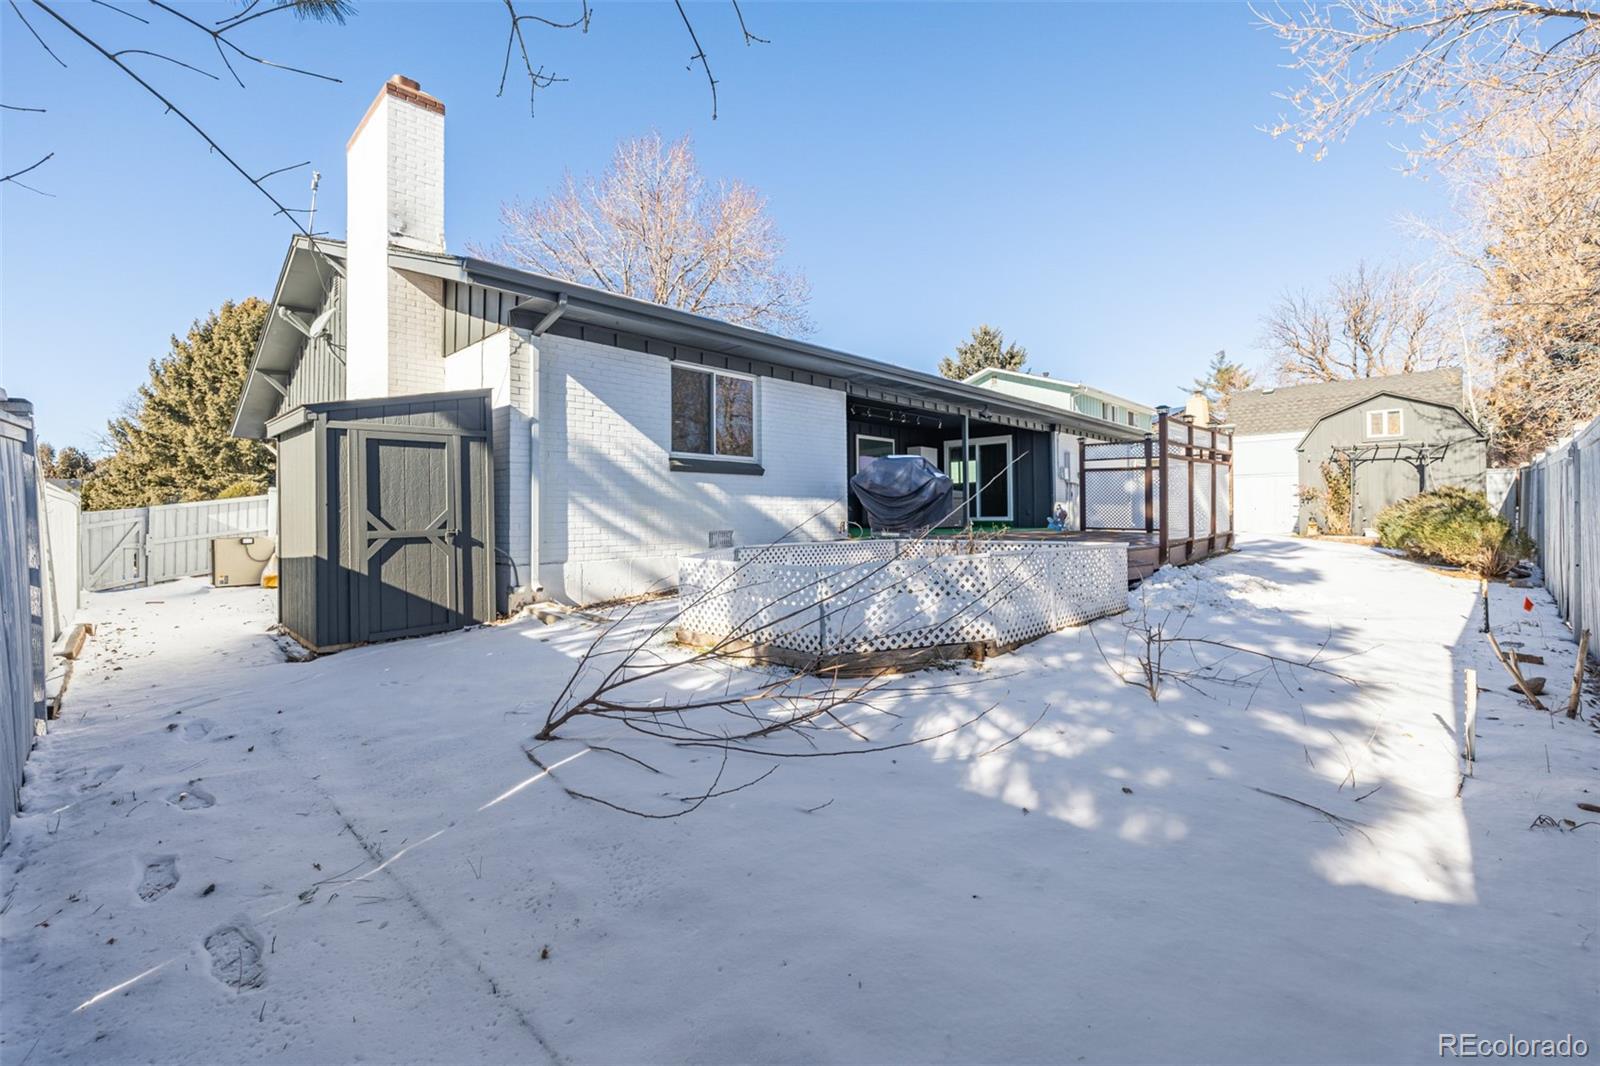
{"x":405,"y":83}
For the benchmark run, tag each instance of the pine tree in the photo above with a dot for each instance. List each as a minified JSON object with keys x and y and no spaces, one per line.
{"x":69,"y":464}
{"x":174,"y":444}
{"x":987,"y":348}
{"x":1222,"y":379}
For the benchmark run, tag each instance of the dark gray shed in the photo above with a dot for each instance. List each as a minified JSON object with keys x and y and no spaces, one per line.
{"x":385,"y":517}
{"x":1397,"y":445}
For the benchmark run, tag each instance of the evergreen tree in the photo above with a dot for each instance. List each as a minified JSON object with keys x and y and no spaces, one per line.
{"x":1222,"y":379}
{"x":986,"y":348}
{"x":69,"y":464}
{"x":174,"y":443}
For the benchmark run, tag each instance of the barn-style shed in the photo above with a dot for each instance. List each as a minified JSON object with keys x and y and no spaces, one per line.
{"x":385,"y":517}
{"x":1393,"y":445}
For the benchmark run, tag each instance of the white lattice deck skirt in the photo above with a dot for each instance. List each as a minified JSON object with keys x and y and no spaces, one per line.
{"x":853,"y":601}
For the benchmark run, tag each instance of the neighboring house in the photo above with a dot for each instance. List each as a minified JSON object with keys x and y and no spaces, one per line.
{"x":623,"y":433}
{"x":1071,"y":396}
{"x":1404,"y":433}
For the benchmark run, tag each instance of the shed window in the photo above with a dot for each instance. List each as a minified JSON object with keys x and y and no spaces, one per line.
{"x":713,"y":413}
{"x":1386,"y":423}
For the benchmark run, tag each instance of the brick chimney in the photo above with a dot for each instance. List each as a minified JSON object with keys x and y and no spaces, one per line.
{"x":395,"y":200}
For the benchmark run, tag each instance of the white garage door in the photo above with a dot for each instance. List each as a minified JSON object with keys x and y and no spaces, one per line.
{"x":1266,"y":488}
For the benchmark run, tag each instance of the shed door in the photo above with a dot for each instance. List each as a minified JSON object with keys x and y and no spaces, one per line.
{"x":408,"y":520}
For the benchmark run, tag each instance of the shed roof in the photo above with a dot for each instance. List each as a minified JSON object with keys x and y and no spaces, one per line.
{"x":1471,"y":426}
{"x":1296,"y":408}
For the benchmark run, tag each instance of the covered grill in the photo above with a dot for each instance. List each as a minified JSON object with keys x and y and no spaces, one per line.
{"x":904,"y":493}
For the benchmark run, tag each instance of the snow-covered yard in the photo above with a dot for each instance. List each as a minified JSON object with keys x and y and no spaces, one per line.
{"x":225,"y":856}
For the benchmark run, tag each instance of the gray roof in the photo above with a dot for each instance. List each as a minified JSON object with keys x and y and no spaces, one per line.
{"x":300,"y":285}
{"x":1296,"y":408}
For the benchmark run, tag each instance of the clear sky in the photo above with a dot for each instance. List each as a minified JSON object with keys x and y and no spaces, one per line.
{"x":1089,"y":178}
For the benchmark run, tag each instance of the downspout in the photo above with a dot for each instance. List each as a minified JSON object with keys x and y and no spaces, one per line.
{"x":551,"y":316}
{"x":966,"y":467}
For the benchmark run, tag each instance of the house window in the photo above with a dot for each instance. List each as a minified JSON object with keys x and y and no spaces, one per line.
{"x":1385,"y":423}
{"x":869,"y":448}
{"x":713,"y":413}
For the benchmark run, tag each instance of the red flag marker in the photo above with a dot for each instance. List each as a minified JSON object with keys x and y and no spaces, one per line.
{"x":1527,"y":604}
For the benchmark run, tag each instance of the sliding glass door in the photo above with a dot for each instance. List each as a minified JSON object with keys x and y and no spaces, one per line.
{"x":986,"y":475}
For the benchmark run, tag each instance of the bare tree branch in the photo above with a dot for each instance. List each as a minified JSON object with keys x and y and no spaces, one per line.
{"x":749,"y":37}
{"x":14,"y":175}
{"x":48,"y":50}
{"x":1454,"y":68}
{"x":700,"y":54}
{"x":537,"y":78}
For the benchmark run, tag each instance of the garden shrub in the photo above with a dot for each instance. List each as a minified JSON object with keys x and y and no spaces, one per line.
{"x":1332,"y":501}
{"x":242,"y":487}
{"x":1455,"y":526}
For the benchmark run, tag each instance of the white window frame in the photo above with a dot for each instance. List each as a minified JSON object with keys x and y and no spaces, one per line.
{"x":755,"y":415}
{"x":871,"y":436}
{"x":1383,"y":414}
{"x":1011,"y":488}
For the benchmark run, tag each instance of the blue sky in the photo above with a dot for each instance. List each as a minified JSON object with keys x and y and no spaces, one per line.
{"x":1089,"y":178}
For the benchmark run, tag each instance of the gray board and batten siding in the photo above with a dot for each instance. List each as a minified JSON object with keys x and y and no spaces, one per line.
{"x":386,"y":517}
{"x":1436,"y":445}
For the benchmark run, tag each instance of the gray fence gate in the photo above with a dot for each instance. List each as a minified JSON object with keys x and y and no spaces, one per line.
{"x":144,"y":545}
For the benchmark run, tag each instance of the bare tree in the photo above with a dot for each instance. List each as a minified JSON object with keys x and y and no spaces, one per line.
{"x":652,"y":227}
{"x":1531,"y":241}
{"x":171,"y":32}
{"x":1371,"y":322}
{"x":1455,"y":69}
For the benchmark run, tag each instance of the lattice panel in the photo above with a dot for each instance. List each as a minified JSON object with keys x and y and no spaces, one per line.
{"x":1177,"y":501}
{"x":1202,"y":499}
{"x":1113,"y":450}
{"x":1224,"y":495}
{"x":1114,"y":499}
{"x":851,"y":597}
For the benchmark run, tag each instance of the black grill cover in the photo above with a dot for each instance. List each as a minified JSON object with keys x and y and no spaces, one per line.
{"x":904,"y":492}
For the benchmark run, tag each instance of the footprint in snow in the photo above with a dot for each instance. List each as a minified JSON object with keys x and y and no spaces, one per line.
{"x":235,"y":952}
{"x":197,"y":729}
{"x":160,"y":877}
{"x":89,"y":778}
{"x":192,"y":799}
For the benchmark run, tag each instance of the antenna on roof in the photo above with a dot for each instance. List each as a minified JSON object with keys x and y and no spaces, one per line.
{"x":311,"y":216}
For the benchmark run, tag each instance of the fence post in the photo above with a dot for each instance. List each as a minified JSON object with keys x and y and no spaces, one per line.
{"x":1083,"y":484}
{"x":1149,"y":488}
{"x":1211,"y":468}
{"x":1161,"y":441}
{"x":1577,"y":621}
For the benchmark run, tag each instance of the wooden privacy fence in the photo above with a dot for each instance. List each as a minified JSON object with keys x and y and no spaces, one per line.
{"x":1176,"y":486}
{"x":1557,"y":500}
{"x":144,"y":545}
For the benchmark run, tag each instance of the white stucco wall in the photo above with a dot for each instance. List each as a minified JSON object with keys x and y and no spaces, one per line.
{"x":613,"y":518}
{"x":1266,"y":471}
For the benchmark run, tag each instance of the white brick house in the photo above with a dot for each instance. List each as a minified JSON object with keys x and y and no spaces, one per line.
{"x":624,"y":433}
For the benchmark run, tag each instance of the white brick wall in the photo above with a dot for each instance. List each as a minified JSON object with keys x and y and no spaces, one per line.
{"x":614,"y":518}
{"x":415,"y":333}
{"x":504,"y":362}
